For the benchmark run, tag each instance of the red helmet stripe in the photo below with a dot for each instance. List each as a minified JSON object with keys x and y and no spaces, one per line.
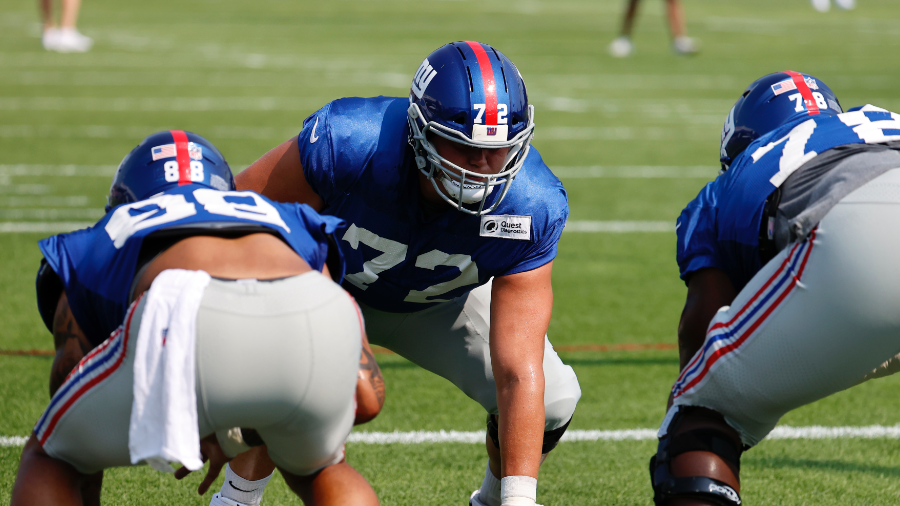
{"x":487,"y":77}
{"x":808,"y":99}
{"x":181,"y":156}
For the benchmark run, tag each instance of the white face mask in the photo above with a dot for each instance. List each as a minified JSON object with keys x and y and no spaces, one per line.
{"x":471,"y":193}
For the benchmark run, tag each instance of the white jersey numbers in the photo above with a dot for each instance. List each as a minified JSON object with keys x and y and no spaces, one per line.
{"x":130,"y":218}
{"x":240,"y":207}
{"x":873,"y":132}
{"x":394,"y":254}
{"x":468,"y":275}
{"x":794,"y":153}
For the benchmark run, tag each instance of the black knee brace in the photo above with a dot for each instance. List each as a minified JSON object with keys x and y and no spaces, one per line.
{"x":666,"y":486}
{"x":551,"y":437}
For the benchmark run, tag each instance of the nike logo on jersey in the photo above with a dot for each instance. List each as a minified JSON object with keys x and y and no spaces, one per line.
{"x":313,"y":137}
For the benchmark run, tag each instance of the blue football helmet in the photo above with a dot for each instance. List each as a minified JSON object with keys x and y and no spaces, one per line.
{"x":470,"y":93}
{"x":770,"y":102}
{"x":167,"y":159}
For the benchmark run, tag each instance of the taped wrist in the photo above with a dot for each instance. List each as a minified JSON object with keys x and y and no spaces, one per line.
{"x":518,"y":491}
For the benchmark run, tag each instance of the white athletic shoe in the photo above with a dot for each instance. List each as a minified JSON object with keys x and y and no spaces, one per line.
{"x":621,"y":47}
{"x":71,"y":40}
{"x":684,"y":45}
{"x":846,"y":4}
{"x":475,"y":500}
{"x":821,"y":5}
{"x":218,"y":500}
{"x":49,"y":38}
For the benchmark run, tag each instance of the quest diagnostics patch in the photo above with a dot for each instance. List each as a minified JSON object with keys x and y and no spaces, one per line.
{"x":506,"y":226}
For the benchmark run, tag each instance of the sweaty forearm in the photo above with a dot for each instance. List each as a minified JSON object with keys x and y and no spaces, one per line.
{"x":521,"y":424}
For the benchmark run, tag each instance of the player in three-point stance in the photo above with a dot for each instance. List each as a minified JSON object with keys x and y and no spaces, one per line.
{"x":453,"y":222}
{"x":203,"y":281}
{"x":789,"y":257}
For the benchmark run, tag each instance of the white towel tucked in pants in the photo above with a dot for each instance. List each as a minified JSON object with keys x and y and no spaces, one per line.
{"x":163,"y":427}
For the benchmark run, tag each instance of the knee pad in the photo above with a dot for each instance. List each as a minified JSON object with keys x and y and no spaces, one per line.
{"x":666,"y":486}
{"x":551,"y":437}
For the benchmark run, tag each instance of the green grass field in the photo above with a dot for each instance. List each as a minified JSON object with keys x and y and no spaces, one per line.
{"x":246,"y":74}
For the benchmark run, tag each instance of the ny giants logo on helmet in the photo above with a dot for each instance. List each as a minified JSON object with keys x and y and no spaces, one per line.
{"x":423,"y":78}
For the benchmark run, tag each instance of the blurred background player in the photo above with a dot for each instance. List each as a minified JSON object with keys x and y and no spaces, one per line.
{"x":450,"y":258}
{"x":789,"y":257}
{"x":825,"y":5}
{"x":623,"y":47}
{"x":266,"y":259}
{"x":64,"y":38}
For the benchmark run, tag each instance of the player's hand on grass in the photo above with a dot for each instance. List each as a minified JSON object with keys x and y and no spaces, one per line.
{"x":211,"y":451}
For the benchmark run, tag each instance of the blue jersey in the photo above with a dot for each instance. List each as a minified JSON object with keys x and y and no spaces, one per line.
{"x":356,"y":157}
{"x":97,"y":265}
{"x":720,"y":228}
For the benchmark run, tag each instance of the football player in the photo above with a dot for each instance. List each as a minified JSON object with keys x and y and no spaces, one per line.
{"x":270,"y":306}
{"x":453,"y":223}
{"x":790,"y":264}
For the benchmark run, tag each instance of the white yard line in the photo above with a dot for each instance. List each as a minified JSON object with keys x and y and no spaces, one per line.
{"x":614,"y":227}
{"x":633,"y":172}
{"x":53,"y":227}
{"x":89,"y":213}
{"x":477,"y":437}
{"x":563,"y":171}
{"x":619,"y":227}
{"x":138,"y":132}
{"x":57,"y":170}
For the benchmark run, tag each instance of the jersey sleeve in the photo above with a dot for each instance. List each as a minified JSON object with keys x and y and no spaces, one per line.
{"x":546,"y":231}
{"x":316,"y":153}
{"x":697,"y":246}
{"x":338,"y":142}
{"x":322,"y":228}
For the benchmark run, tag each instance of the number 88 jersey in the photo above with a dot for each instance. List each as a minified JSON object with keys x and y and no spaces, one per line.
{"x":720,"y":227}
{"x":97,"y":265}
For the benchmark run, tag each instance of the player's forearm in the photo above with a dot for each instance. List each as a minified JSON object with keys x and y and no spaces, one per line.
{"x":708,"y":290}
{"x":521,"y":422}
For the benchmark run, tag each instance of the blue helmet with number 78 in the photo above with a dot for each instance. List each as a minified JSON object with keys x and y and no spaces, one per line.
{"x":470,"y":93}
{"x":168,"y":159}
{"x":770,"y":102}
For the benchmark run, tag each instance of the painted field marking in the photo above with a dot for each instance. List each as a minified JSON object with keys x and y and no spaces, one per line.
{"x":52,"y":214}
{"x":637,"y":172}
{"x":45,"y":227}
{"x":46,"y":200}
{"x":563,"y":171}
{"x":137,"y":132}
{"x":378,"y":350}
{"x":68,"y":170}
{"x":57,"y":170}
{"x":814,"y":432}
{"x":619,"y":227}
{"x":547,"y":134}
{"x":608,"y":227}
